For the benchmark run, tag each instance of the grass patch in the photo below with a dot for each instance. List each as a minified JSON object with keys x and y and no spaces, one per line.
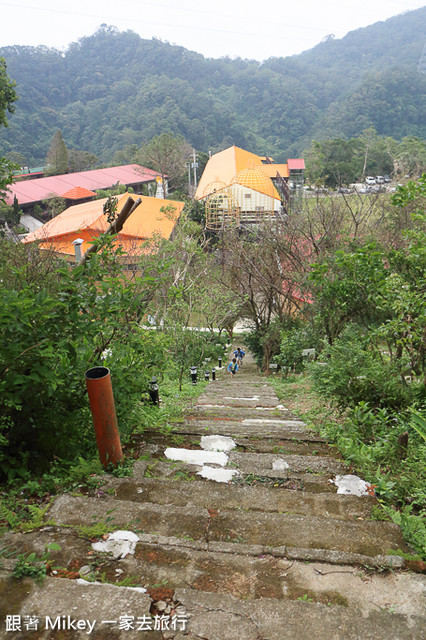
{"x":369,"y":441}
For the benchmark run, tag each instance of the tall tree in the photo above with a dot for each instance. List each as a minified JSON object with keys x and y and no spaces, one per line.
{"x":167,"y":154}
{"x":81,"y":160}
{"x":57,"y":156}
{"x":7,"y":93}
{"x":7,"y":98}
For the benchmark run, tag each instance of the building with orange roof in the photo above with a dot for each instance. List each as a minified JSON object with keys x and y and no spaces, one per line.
{"x":154,"y":217}
{"x":240,"y":187}
{"x":79,"y":193}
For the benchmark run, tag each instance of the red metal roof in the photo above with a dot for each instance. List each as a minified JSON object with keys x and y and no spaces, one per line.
{"x":78,"y":193}
{"x":30,"y":191}
{"x":295,"y":164}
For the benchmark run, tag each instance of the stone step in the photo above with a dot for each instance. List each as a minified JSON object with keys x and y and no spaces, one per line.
{"x":272,"y":554}
{"x":70,"y":611}
{"x":259,"y":462}
{"x":262,"y":463}
{"x":222,"y":411}
{"x":215,"y":616}
{"x":248,"y":572}
{"x":75,"y":547}
{"x":286,"y":447}
{"x":181,"y":471}
{"x":267,"y":576}
{"x":368,"y":538}
{"x":229,"y":597}
{"x":236,"y":429}
{"x":254,"y":400}
{"x":235,"y":496}
{"x":248,"y":462}
{"x":250,"y":445}
{"x":261,"y":423}
{"x":229,"y":387}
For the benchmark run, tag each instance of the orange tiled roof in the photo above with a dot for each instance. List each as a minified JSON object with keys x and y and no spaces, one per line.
{"x":271,"y":170}
{"x":78,"y":193}
{"x":87,"y":221}
{"x":222,"y":167}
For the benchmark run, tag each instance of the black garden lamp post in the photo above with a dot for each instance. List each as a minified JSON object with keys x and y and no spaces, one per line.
{"x":213,"y":373}
{"x":220,"y":362}
{"x":207,"y":376}
{"x":194,"y":375}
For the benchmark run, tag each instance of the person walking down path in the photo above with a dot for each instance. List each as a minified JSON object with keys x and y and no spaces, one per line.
{"x":239,"y":355}
{"x":232,"y":367}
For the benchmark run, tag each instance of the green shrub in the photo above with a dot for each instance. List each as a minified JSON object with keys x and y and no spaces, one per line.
{"x":354,"y":373}
{"x":52,"y":329}
{"x":293,"y":342}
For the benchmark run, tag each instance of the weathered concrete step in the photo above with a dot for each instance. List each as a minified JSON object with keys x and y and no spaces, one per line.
{"x":228,"y":387}
{"x":93,"y":607}
{"x":262,"y":463}
{"x":244,"y":430}
{"x":251,"y":445}
{"x":260,"y":423}
{"x":259,"y":462}
{"x":266,"y":576}
{"x":273,"y":529}
{"x":211,"y":616}
{"x":221,"y":617}
{"x":217,"y":410}
{"x":310,"y":482}
{"x":238,"y":401}
{"x":286,"y":447}
{"x":75,"y":550}
{"x":235,"y":386}
{"x":242,"y":571}
{"x":249,"y":498}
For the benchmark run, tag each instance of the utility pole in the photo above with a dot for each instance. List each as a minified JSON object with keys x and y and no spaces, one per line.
{"x":188,"y":164}
{"x":195,"y":167}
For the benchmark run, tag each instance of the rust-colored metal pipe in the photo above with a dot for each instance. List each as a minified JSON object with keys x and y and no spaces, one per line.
{"x":99,"y":388}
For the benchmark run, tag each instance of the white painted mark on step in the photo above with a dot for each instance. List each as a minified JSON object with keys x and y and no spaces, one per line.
{"x":104,"y":584}
{"x":218,"y":475}
{"x":192,"y":456}
{"x":238,"y":398}
{"x":280,"y":407}
{"x":280,"y":465}
{"x":119,"y":543}
{"x":212,"y":406}
{"x":253,"y":422}
{"x":217,"y":443}
{"x":351,"y":485}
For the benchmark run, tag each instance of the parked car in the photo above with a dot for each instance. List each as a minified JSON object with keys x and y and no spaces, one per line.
{"x":370,"y":180}
{"x":387,"y":178}
{"x":380,"y":180}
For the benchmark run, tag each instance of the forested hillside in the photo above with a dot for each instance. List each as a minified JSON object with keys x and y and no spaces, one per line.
{"x":113,"y":89}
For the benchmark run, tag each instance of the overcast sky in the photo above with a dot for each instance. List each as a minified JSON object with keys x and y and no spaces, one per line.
{"x":236,"y":28}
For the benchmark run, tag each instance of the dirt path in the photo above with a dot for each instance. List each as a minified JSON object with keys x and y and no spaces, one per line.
{"x":252,"y":542}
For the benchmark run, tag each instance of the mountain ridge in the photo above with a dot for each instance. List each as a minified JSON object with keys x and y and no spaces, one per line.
{"x":114,"y":89}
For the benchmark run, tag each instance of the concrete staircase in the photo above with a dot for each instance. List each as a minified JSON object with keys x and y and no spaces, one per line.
{"x":273,"y":554}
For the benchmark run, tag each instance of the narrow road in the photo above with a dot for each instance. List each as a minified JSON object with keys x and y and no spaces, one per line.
{"x":248,"y":542}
